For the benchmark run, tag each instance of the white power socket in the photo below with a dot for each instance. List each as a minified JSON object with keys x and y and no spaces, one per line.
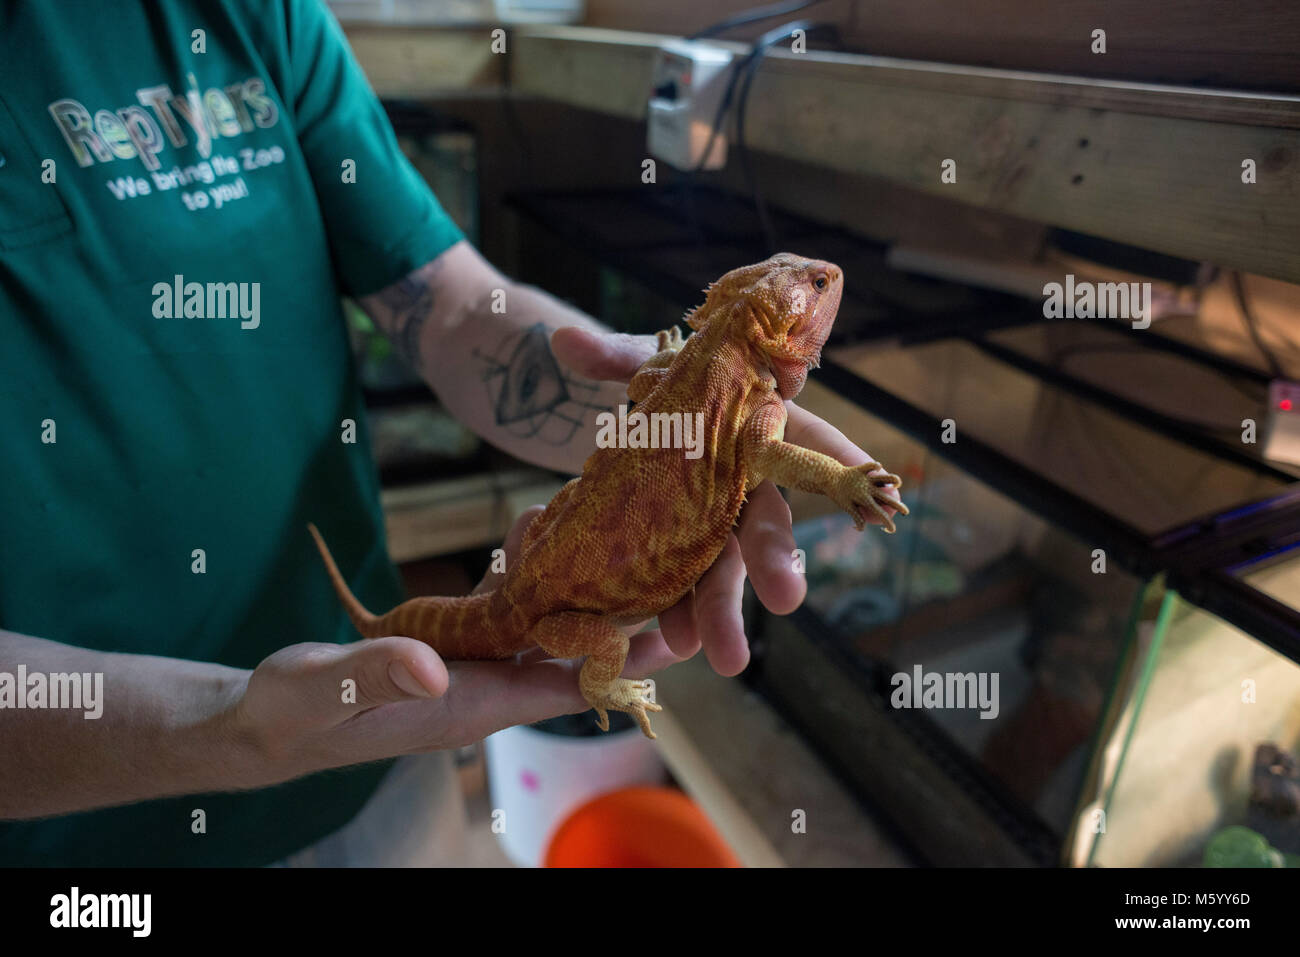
{"x":690,"y":79}
{"x":1282,"y":427}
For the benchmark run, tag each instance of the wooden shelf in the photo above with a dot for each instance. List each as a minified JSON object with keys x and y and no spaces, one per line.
{"x":1150,"y":165}
{"x":1153,"y":166}
{"x":452,"y":515}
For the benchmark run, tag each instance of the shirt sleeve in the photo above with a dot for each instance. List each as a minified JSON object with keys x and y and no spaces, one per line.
{"x":388,"y":222}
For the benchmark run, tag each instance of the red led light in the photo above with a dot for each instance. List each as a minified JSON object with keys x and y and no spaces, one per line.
{"x":1285,"y":405}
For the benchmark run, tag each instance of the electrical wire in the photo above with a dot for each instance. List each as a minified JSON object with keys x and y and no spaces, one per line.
{"x":753,"y":16}
{"x":742,"y":78}
{"x":721,"y":115}
{"x":1252,"y":325}
{"x":750,"y":66}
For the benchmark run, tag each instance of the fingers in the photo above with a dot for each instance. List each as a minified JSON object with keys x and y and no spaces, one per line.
{"x":514,"y":538}
{"x":679,"y":627}
{"x":649,"y":652}
{"x":805,"y":429}
{"x":601,"y":355}
{"x":717,"y":612}
{"x":491,"y":695}
{"x":767,"y":544}
{"x":385,"y":671}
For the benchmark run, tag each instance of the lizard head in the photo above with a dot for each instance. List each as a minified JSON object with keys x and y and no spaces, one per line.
{"x":784,"y":307}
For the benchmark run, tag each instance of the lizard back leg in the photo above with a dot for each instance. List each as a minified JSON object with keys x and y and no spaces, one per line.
{"x":572,"y":634}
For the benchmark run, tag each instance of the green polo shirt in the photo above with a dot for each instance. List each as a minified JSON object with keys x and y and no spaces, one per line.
{"x":186,"y":189}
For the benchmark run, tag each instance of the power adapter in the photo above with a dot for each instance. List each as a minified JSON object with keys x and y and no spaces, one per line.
{"x":1282,"y":427}
{"x":690,"y":81}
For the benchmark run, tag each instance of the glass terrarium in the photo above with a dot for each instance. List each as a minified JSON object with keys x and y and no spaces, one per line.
{"x":1199,"y":766}
{"x":1030,"y":574}
{"x":1006,"y":608}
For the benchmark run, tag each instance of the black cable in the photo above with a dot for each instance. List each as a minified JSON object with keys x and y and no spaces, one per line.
{"x":721,"y":115}
{"x":751,"y":65}
{"x":745,"y":65}
{"x":748,"y":65}
{"x":1252,"y":326}
{"x":753,"y":16}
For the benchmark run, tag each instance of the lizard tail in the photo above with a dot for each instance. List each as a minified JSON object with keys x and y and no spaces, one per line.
{"x":364,"y":620}
{"x":472,"y":627}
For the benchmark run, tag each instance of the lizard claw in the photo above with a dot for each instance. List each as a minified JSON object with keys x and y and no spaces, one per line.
{"x":863,"y":494}
{"x":670,"y":339}
{"x":623,"y":694}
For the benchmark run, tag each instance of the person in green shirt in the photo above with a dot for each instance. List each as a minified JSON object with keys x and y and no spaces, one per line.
{"x":186,"y":190}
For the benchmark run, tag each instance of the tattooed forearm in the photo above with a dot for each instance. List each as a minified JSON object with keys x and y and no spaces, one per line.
{"x":483,"y":344}
{"x":408,"y":304}
{"x":531,"y":394}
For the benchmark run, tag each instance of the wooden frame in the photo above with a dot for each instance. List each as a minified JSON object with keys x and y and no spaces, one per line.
{"x":1153,"y":166}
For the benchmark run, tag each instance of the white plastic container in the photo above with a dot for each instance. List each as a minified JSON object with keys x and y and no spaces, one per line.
{"x":536,"y":779}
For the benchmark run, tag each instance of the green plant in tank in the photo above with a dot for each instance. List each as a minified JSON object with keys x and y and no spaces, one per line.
{"x":1238,"y":846}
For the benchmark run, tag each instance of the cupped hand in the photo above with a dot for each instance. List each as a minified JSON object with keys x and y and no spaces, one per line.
{"x":762,"y":546}
{"x":313,"y":706}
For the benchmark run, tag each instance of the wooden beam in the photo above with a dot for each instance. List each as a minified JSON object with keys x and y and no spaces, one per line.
{"x":1201,"y":42}
{"x":421,"y":62}
{"x":452,"y":515}
{"x":1157,"y":167}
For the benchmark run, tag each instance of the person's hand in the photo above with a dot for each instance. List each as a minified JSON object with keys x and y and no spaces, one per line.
{"x":293,"y":715}
{"x":763,"y":544}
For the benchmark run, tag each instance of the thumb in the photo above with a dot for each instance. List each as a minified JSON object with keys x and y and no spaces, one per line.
{"x":387,"y":670}
{"x":613,"y":356}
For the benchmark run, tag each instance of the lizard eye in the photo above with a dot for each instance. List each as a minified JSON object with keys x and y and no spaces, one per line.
{"x":820,"y":282}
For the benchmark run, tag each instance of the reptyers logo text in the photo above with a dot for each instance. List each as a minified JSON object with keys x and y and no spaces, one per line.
{"x":134,"y":132}
{"x":142,"y":131}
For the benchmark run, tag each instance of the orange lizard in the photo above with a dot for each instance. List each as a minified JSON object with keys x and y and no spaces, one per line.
{"x":634,"y":533}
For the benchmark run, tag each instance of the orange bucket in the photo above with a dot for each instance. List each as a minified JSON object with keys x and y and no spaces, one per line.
{"x":639,"y":827}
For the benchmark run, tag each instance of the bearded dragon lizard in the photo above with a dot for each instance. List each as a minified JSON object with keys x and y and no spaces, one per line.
{"x":633,"y":534}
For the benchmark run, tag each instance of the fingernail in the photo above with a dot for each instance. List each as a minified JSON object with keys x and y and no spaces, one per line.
{"x":403,"y":678}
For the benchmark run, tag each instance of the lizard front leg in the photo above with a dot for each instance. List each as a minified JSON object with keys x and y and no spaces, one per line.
{"x":856,"y":490}
{"x":572,"y":634}
{"x":655,"y":369}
